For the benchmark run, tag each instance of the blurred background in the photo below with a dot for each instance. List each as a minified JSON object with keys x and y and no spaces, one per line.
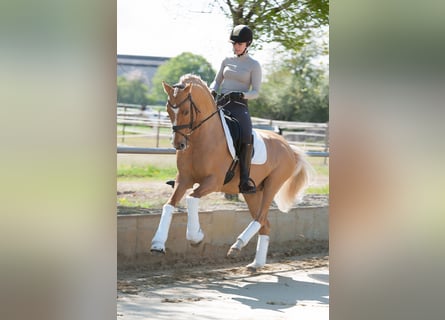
{"x":58,"y":164}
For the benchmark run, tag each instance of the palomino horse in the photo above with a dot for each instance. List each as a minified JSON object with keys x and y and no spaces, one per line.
{"x":203,"y":158}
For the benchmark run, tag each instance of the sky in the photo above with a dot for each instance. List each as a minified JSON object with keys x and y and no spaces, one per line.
{"x":169,"y":27}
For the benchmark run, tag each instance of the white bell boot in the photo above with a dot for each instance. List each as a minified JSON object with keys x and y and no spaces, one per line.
{"x":158,"y":242}
{"x":194,"y":232}
{"x":261,"y":253}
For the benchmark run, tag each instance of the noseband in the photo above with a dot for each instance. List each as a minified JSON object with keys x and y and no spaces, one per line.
{"x":193,"y":109}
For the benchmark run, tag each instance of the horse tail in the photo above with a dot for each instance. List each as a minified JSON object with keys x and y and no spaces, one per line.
{"x":293,"y":188}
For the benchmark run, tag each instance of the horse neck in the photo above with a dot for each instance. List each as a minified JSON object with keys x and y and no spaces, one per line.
{"x":210,"y":132}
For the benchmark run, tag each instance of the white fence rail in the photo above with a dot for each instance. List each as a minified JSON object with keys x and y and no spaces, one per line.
{"x":136,"y":121}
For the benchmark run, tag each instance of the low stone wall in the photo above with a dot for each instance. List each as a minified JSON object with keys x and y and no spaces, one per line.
{"x":301,"y":227}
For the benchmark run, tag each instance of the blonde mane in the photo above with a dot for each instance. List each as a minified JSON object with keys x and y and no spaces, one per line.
{"x":195,"y":79}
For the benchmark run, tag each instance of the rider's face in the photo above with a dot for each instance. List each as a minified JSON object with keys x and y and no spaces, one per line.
{"x":239,"y":47}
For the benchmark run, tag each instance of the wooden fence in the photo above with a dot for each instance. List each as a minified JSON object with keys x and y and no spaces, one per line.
{"x":135,"y":121}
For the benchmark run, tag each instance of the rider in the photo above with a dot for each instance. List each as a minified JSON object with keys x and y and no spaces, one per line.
{"x":239,"y":79}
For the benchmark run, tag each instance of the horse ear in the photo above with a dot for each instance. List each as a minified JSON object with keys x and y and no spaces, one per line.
{"x":188,"y":87}
{"x":167,"y":88}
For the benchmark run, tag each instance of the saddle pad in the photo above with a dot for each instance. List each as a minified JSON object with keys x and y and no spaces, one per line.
{"x":260,"y":154}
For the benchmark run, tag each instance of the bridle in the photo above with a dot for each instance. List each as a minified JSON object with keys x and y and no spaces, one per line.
{"x":193,"y":110}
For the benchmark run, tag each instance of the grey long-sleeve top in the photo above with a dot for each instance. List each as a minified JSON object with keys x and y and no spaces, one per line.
{"x":242,"y":74}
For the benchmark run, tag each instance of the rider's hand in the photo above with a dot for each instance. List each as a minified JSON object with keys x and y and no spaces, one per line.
{"x":236,"y":95}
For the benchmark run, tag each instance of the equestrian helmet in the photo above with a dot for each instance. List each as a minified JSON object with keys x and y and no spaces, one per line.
{"x":241,"y":33}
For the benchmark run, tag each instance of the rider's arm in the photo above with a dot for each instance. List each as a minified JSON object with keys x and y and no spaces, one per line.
{"x":254,"y":91}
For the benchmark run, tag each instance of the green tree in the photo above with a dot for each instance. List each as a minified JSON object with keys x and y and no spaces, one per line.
{"x":289,"y":22}
{"x":295,"y":90}
{"x":174,"y":68}
{"x":132,"y":91}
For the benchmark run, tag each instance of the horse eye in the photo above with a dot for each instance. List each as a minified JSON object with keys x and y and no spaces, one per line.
{"x":185,"y":112}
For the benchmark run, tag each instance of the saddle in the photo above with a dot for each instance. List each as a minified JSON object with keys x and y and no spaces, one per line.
{"x":234,"y":128}
{"x":235,"y":131}
{"x":232,"y":132}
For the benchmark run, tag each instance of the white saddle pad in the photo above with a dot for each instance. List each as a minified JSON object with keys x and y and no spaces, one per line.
{"x":260,"y":153}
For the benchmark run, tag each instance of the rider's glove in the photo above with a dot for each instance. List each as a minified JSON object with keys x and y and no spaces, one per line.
{"x":236,"y":95}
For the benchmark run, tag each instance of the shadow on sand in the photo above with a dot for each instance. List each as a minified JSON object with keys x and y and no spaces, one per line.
{"x":279,"y":293}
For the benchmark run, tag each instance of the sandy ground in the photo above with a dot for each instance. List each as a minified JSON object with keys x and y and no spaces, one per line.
{"x":294,"y":288}
{"x":154,"y":194}
{"x":289,"y":287}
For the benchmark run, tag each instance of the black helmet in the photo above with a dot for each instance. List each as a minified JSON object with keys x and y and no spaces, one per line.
{"x":241,"y":33}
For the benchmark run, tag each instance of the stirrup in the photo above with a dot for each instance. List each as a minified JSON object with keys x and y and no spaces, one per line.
{"x":244,"y":187}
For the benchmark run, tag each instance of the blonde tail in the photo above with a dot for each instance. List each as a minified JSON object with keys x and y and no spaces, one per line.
{"x":293,"y":188}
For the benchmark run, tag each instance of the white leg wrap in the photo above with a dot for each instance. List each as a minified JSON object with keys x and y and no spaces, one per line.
{"x":261,"y":252}
{"x":194,"y":232}
{"x":247,"y":234}
{"x":158,"y":242}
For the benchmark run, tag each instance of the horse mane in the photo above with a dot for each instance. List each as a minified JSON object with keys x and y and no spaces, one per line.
{"x":195,"y":79}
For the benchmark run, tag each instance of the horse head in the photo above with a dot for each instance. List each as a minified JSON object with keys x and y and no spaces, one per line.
{"x":189,"y":106}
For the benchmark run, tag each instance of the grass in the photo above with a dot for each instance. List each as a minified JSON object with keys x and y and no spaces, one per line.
{"x":321,"y":169}
{"x":164,"y":170}
{"x":157,"y":173}
{"x":145,"y":171}
{"x":124,"y":202}
{"x":136,"y":140}
{"x":318,"y":190}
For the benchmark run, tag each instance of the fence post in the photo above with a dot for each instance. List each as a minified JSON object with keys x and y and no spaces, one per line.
{"x":123,"y":126}
{"x":158,"y":128}
{"x":326,"y":142}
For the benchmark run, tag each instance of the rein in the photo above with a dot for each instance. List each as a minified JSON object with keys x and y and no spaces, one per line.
{"x":190,"y":125}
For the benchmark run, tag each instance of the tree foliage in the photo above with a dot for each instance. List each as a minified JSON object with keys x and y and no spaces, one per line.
{"x":296,"y":90}
{"x":289,"y":22}
{"x":174,"y":68}
{"x":132,"y":91}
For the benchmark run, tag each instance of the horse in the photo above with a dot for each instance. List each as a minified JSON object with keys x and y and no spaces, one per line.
{"x":203,"y":159}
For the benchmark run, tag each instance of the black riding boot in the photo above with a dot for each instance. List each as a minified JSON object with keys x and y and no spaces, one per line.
{"x":246,"y":183}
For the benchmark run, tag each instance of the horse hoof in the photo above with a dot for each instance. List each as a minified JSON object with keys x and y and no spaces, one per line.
{"x":157,"y":252}
{"x":195,"y":244}
{"x":195,"y":241}
{"x":233,"y":253}
{"x":253,"y":267}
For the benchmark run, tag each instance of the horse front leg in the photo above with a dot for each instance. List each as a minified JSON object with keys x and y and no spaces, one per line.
{"x":161,"y":235}
{"x":194,"y":232}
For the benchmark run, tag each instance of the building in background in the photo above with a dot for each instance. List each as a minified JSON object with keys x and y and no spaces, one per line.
{"x":139,"y":67}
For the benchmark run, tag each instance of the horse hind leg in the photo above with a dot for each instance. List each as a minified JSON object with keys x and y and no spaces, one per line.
{"x":253,"y":202}
{"x":261,"y":253}
{"x":259,"y":208}
{"x":244,"y":238}
{"x":262,"y":246}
